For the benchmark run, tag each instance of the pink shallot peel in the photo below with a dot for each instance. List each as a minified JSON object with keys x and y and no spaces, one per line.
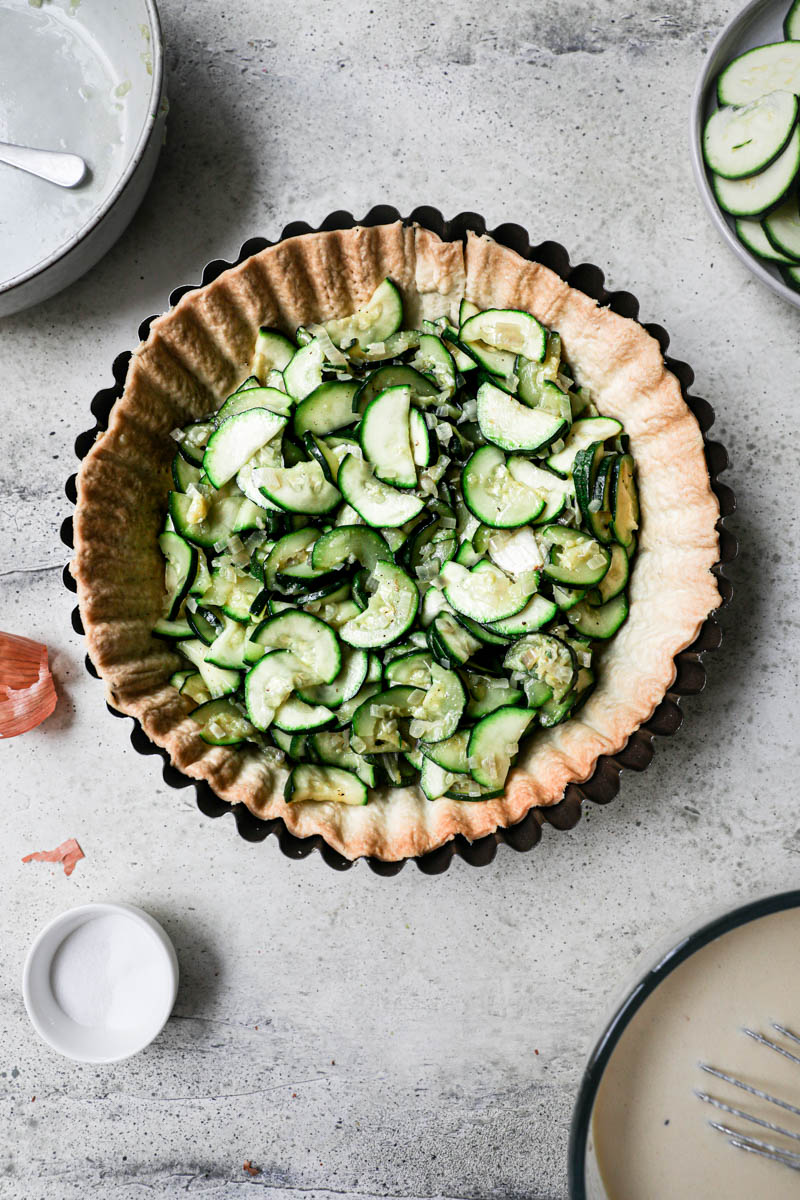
{"x":68,"y":854}
{"x":27,"y":691}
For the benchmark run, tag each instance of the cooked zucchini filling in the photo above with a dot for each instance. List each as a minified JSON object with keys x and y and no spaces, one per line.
{"x":391,"y":554}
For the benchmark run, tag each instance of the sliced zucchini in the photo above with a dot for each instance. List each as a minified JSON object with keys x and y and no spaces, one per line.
{"x":599,"y":621}
{"x":377,"y":721}
{"x":349,"y":544}
{"x":548,"y":658}
{"x":395,"y":375}
{"x":207,"y":520}
{"x":228,"y":648}
{"x":303,"y":374}
{"x":791,"y":24}
{"x":346,"y":684}
{"x":756,"y":73}
{"x":537,"y":612}
{"x":375,"y":321}
{"x":494,"y":744}
{"x":757,"y":194}
{"x":273,"y":352}
{"x":436,"y":363}
{"x":433,"y":780}
{"x":232,"y":590}
{"x":420,"y":439}
{"x":513,"y":426}
{"x":175,"y":630}
{"x":194,"y":687}
{"x":295,"y":716}
{"x":309,"y":639}
{"x":508,"y":330}
{"x":515,"y":551}
{"x":328,"y":408}
{"x":437,"y":714}
{"x":485,"y":593}
{"x":412,"y":669}
{"x":219,"y":682}
{"x":221,"y":723}
{"x":572,"y":556}
{"x":291,"y":557}
{"x":486,"y":695}
{"x":236,"y":440}
{"x":492,"y":493}
{"x":390,"y":612}
{"x":377,"y":503}
{"x":269,"y":398}
{"x":556,"y":492}
{"x":180,"y":571}
{"x":268,"y":455}
{"x":451,"y":644}
{"x":615,"y":578}
{"x":206,"y":623}
{"x":623,"y":500}
{"x":782,"y":229}
{"x":192,"y":445}
{"x":269,"y":683}
{"x":451,"y":754}
{"x":385,"y":437}
{"x":334,"y":749}
{"x":324,"y":785}
{"x":302,"y":488}
{"x":738,"y":142}
{"x":582,"y":434}
{"x":184,"y":473}
{"x":567,"y":597}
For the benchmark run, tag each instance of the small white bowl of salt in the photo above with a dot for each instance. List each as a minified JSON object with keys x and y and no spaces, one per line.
{"x":100,"y":981}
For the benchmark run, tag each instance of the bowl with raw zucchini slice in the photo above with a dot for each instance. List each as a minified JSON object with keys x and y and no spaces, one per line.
{"x":376,"y":544}
{"x":745,"y":137}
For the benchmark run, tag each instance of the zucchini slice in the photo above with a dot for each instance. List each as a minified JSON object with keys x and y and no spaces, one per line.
{"x":221,"y":723}
{"x":573,"y":557}
{"x":548,"y":659}
{"x":269,"y":683}
{"x":375,"y":321}
{"x":493,"y":495}
{"x":582,"y":434}
{"x":599,"y":621}
{"x":738,"y":142}
{"x":273,"y":352}
{"x":218,"y":681}
{"x":508,"y":330}
{"x":782,"y":229}
{"x":324,"y":784}
{"x":494,"y":744}
{"x":412,"y":669}
{"x":347,"y":683}
{"x":184,"y":473}
{"x":227,"y":650}
{"x":303,"y":374}
{"x":349,"y":544}
{"x":207,"y":520}
{"x":450,"y":754}
{"x":302,"y":488}
{"x":420,"y":439}
{"x":791,"y":24}
{"x":376,"y":502}
{"x":513,"y":426}
{"x":624,"y":501}
{"x":295,"y":716}
{"x":437,"y":715}
{"x":244,"y":400}
{"x":486,"y":594}
{"x":451,"y":645}
{"x":377,"y":721}
{"x":537,"y":612}
{"x":394,"y":375}
{"x":236,"y":441}
{"x":486,"y":695}
{"x":329,"y":407}
{"x":174,"y":630}
{"x":615,"y":578}
{"x":555,"y":491}
{"x":390,"y":612}
{"x":334,"y":749}
{"x":309,"y":639}
{"x":180,"y":571}
{"x":385,"y":437}
{"x":757,"y":194}
{"x":436,"y":363}
{"x":756,"y":73}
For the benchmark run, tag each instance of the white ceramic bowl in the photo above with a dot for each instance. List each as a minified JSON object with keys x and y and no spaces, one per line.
{"x":104,"y":99}
{"x":91,"y":1043}
{"x":759,"y":22}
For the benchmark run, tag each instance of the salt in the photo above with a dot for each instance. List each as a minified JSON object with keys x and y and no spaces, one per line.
{"x":108,"y":973}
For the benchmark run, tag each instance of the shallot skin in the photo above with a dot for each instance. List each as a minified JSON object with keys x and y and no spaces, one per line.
{"x":27,"y":692}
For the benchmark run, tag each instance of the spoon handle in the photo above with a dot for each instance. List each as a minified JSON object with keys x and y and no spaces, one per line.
{"x":67,"y":170}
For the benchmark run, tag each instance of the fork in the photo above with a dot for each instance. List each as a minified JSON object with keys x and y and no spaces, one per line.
{"x":745,"y":1141}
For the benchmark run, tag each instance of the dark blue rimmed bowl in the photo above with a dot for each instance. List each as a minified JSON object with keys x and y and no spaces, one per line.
{"x":603,"y":785}
{"x":583,"y":1177}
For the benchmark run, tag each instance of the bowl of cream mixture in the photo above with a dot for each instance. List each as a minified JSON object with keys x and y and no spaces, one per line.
{"x":104,"y":100}
{"x":639,"y":1129}
{"x":100,"y":981}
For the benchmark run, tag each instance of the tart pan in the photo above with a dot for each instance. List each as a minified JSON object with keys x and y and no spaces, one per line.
{"x":690,"y":677}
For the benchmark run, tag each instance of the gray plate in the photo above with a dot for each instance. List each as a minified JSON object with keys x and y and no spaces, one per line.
{"x":759,"y":22}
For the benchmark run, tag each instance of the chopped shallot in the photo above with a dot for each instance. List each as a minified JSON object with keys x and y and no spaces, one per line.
{"x":27,"y":692}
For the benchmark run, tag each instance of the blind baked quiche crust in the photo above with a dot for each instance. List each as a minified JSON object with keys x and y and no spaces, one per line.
{"x":200,"y":350}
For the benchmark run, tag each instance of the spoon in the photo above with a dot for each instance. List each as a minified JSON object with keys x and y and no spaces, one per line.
{"x":67,"y":170}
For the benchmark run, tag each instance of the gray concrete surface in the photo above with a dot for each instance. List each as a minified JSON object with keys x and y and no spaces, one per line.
{"x":351,"y":1035}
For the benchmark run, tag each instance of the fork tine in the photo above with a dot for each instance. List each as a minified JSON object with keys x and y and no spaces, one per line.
{"x":786,"y":1032}
{"x":755,"y":1146}
{"x":737,"y":1112}
{"x":758,"y":1037}
{"x":747,"y":1087}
